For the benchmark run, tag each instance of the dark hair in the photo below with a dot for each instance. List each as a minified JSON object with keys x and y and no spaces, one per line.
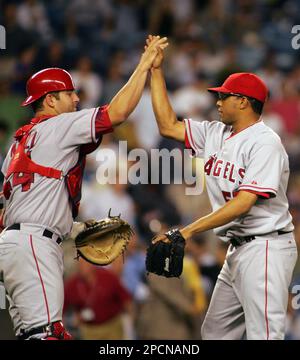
{"x":38,"y":104}
{"x":256,"y":105}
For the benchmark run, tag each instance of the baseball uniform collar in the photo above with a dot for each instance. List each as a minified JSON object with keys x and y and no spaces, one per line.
{"x":26,"y":128}
{"x":39,"y":119}
{"x":232,"y":134}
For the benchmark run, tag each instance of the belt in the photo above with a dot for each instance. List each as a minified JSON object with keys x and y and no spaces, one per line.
{"x":240,"y":240}
{"x":39,"y":330}
{"x":50,"y":330}
{"x":47,"y":233}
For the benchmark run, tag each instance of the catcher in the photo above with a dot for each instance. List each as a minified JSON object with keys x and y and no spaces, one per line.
{"x":43,"y":173}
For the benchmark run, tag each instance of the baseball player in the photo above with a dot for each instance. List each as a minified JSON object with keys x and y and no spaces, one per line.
{"x":43,"y":173}
{"x":247,"y":171}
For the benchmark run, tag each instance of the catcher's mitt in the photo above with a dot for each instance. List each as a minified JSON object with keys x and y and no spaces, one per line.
{"x":166,"y":259}
{"x":101,"y":242}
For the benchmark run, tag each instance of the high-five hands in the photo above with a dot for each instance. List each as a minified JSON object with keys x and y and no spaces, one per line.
{"x":153,"y":54}
{"x":160,"y":55}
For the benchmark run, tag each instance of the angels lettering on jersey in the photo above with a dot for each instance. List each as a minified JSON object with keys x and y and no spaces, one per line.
{"x":227,"y":170}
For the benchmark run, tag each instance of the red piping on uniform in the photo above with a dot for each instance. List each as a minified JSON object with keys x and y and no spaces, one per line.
{"x":40,"y":276}
{"x":186,"y":141}
{"x":265,"y":195}
{"x":257,"y":187}
{"x":235,"y":133}
{"x":266,"y":290}
{"x":193,"y":144}
{"x":231,"y":135}
{"x":93,"y":127}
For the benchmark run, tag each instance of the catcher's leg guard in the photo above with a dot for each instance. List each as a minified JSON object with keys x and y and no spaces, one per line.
{"x":53,"y":331}
{"x":58,"y":331}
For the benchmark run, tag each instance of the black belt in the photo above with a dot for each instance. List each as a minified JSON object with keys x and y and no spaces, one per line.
{"x":39,"y":330}
{"x":49,"y":234}
{"x":47,"y":329}
{"x":240,"y":240}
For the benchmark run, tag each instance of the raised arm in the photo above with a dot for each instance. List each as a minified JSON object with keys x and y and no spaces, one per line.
{"x":125,"y":101}
{"x":166,"y":119}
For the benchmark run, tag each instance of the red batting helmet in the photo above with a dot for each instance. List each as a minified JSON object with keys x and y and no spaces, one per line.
{"x":247,"y":84}
{"x":45,"y":81}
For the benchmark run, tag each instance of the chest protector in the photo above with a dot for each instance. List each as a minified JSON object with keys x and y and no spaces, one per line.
{"x":22,"y":163}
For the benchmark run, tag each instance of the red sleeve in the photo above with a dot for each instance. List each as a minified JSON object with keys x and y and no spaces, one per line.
{"x":103,"y":124}
{"x":186,"y":141}
{"x":260,"y":194}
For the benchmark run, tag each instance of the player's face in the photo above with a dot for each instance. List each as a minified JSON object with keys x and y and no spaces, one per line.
{"x":67,"y":102}
{"x":228,"y":106}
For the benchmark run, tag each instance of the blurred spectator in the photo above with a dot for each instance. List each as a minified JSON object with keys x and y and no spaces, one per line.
{"x":273,"y":120}
{"x":53,"y":56}
{"x":10,"y":109}
{"x":177,"y":304}
{"x":193,"y":100}
{"x":134,"y":270}
{"x":114,"y":80}
{"x":181,"y":68}
{"x":194,"y":280}
{"x":17,"y":38}
{"x":169,"y":311}
{"x":272,"y":77}
{"x":88,"y":82}
{"x":251,"y":51}
{"x":31,"y":15}
{"x":89,"y":15}
{"x":71,"y":40}
{"x":210,"y":260}
{"x":127,"y":20}
{"x":99,"y":300}
{"x":153,"y":210}
{"x":99,"y":199}
{"x":162,"y":20}
{"x":3,"y":137}
{"x":145,"y":123}
{"x":24,"y":68}
{"x":288,"y":106}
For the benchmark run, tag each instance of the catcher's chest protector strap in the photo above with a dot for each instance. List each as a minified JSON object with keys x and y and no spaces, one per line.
{"x":75,"y":175}
{"x":21,"y":162}
{"x":74,"y":182}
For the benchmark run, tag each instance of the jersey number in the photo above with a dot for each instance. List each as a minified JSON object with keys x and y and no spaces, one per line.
{"x":18,"y":179}
{"x":23,"y":179}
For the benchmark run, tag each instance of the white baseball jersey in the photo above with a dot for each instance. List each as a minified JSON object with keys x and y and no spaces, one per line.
{"x":31,"y":263}
{"x":253,"y":160}
{"x":53,"y":143}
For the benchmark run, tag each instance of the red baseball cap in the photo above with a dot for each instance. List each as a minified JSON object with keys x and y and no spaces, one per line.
{"x":247,"y":84}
